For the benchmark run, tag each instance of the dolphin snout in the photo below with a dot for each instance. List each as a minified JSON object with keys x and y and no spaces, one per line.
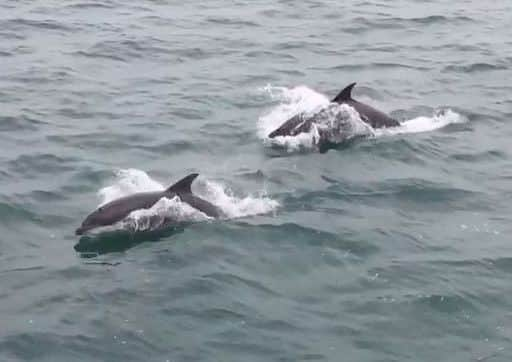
{"x":81,"y":230}
{"x":273,"y":134}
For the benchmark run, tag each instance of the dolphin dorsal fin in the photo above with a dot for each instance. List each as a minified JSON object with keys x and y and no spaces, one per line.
{"x":345,"y":94}
{"x":183,"y":186}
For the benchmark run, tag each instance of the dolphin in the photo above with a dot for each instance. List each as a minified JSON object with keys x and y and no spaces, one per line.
{"x":302,"y":123}
{"x":118,"y":209}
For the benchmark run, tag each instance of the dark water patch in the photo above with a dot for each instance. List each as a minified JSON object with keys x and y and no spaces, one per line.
{"x":274,"y":55}
{"x":12,"y":212}
{"x":376,"y":65}
{"x":417,"y":149}
{"x":365,"y":24}
{"x":474,"y":68}
{"x":219,"y":133}
{"x":75,"y":272}
{"x":273,"y":325}
{"x":422,"y":191}
{"x":503,"y":264}
{"x":280,"y":236}
{"x":381,"y":48}
{"x":235,"y":281}
{"x":271,"y":13}
{"x":488,"y":155}
{"x":99,"y":55}
{"x":195,"y":53}
{"x":60,"y":346}
{"x":192,"y":287}
{"x":20,"y":123}
{"x":39,"y":75}
{"x":95,"y":140}
{"x":237,"y":23}
{"x":124,"y":50}
{"x":87,"y":179}
{"x":92,"y":5}
{"x":30,"y":165}
{"x":448,"y":304}
{"x":257,"y":175}
{"x":436,"y":19}
{"x":153,"y":125}
{"x":42,"y":216}
{"x":191,"y":114}
{"x":290,"y":72}
{"x":212,"y":315}
{"x":362,"y":24}
{"x":23,"y":269}
{"x":11,"y":35}
{"x":292,"y":45}
{"x":244,"y":348}
{"x":171,"y":147}
{"x":4,"y":175}
{"x":22,"y":24}
{"x":412,"y":193}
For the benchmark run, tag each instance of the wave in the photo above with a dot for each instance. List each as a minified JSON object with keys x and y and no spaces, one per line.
{"x":475,"y":67}
{"x":342,"y":121}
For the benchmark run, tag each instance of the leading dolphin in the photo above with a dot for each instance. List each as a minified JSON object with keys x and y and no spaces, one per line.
{"x":118,"y":209}
{"x":301,"y":123}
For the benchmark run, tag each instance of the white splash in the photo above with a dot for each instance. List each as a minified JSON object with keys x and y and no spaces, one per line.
{"x":292,"y":101}
{"x":233,"y":206}
{"x":341,"y":121}
{"x":130,"y":181}
{"x":439,"y":119}
{"x":164,"y":211}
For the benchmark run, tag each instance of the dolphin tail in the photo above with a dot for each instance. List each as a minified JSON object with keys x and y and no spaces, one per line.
{"x":183,"y":186}
{"x":345,"y":94}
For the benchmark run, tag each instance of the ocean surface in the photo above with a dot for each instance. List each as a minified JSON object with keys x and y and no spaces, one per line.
{"x":393,"y":247}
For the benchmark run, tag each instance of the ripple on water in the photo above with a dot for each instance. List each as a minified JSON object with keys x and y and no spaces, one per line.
{"x":32,"y":165}
{"x":125,"y":50}
{"x":20,"y":123}
{"x":11,"y":212}
{"x":474,"y":68}
{"x":22,"y":24}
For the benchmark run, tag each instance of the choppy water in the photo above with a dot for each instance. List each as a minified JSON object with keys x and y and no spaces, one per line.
{"x":393,"y":248}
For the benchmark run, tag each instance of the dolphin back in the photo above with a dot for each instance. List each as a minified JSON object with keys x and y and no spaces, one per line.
{"x":183,"y":188}
{"x":370,"y":115}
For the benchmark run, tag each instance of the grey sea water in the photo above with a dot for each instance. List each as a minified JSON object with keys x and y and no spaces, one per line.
{"x":394,"y":248}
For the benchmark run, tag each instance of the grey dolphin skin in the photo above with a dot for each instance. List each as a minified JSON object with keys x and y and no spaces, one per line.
{"x":300,"y":123}
{"x":118,"y":209}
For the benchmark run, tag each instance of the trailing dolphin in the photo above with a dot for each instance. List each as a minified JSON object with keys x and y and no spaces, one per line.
{"x":302,"y":123}
{"x":118,"y":209}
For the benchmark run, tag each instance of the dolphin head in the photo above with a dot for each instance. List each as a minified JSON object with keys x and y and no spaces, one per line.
{"x":102,"y":216}
{"x":292,"y":127}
